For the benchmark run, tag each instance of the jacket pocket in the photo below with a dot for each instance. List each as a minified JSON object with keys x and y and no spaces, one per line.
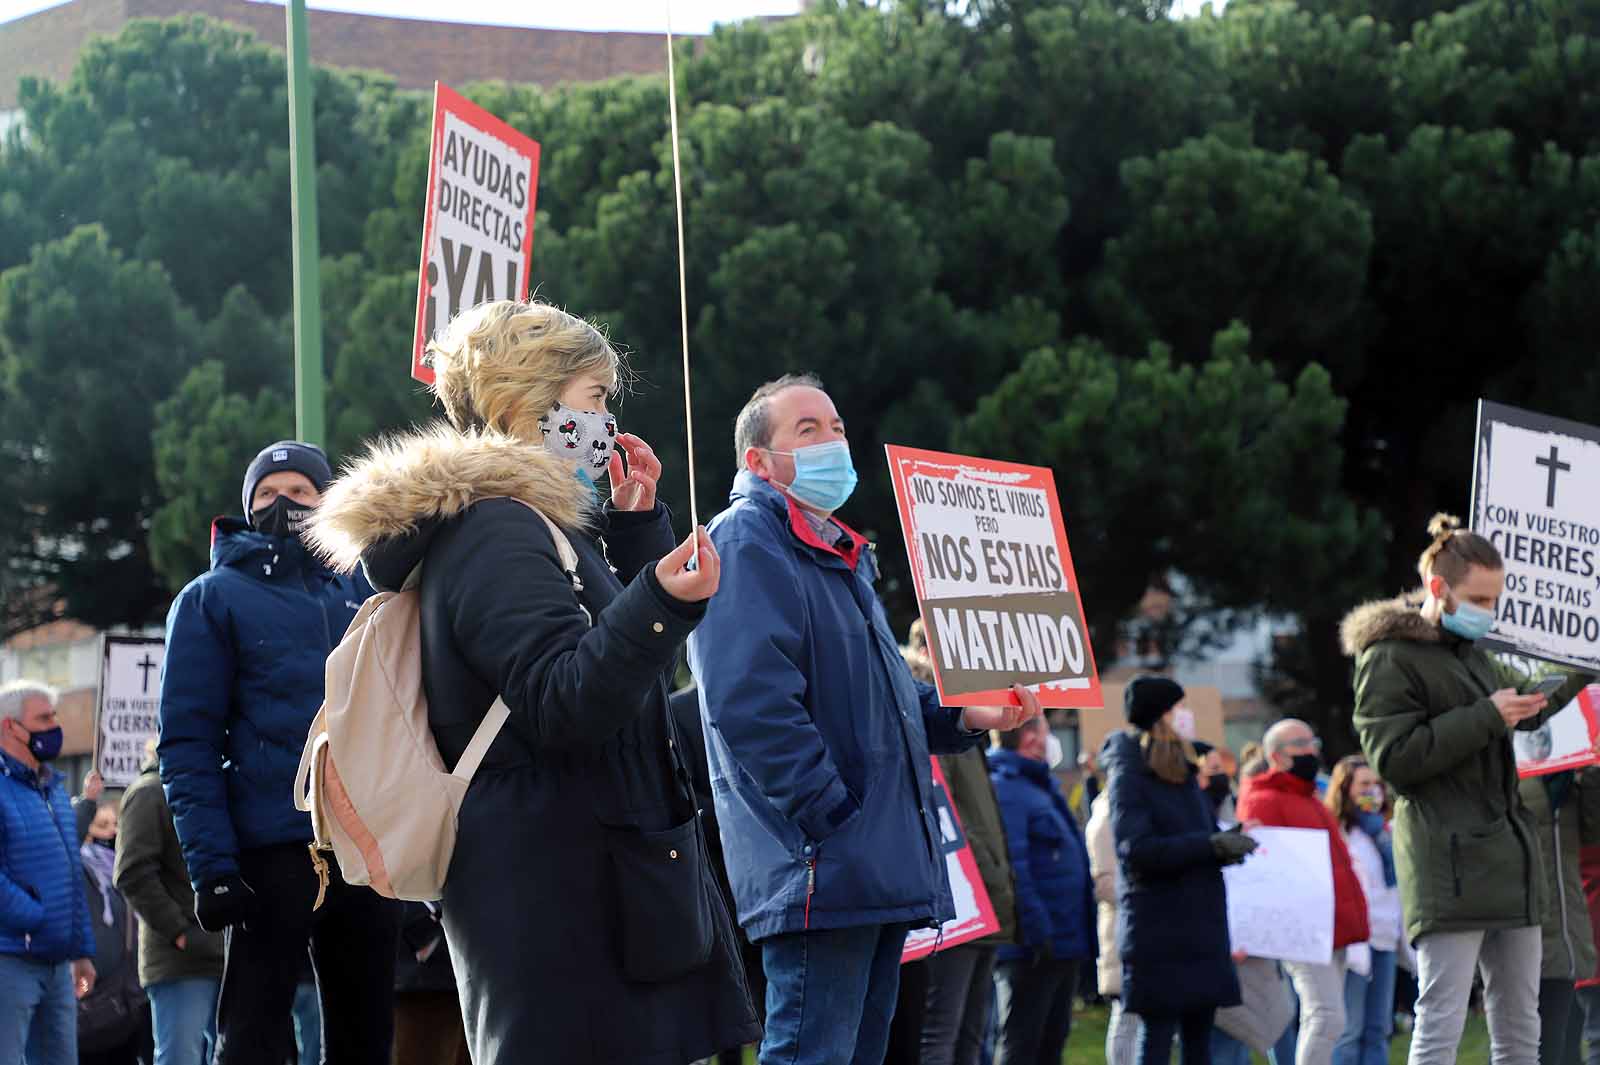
{"x":665,"y":924}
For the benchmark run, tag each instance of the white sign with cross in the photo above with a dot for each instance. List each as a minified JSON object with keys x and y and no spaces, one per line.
{"x":130,"y":706}
{"x":1536,"y":496}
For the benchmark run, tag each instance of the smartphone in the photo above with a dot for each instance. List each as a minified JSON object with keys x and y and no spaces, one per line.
{"x":1547,"y":686}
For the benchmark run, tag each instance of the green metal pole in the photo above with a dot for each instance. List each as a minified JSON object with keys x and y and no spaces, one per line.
{"x":309,"y":415}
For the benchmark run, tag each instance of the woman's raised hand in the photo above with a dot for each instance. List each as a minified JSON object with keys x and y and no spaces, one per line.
{"x":691,"y":585}
{"x":637,"y":490}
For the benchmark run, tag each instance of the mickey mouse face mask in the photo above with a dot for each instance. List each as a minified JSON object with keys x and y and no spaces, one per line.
{"x":584,"y":438}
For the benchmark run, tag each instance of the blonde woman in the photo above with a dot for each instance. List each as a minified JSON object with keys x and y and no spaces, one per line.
{"x":582,"y":921}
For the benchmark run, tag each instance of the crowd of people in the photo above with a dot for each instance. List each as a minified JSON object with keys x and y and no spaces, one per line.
{"x":642,"y":876}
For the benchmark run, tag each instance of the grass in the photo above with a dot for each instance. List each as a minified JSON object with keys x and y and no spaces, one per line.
{"x":1088,"y":1041}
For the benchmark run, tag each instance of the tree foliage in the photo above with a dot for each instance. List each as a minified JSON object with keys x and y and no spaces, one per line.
{"x":1237,"y":278}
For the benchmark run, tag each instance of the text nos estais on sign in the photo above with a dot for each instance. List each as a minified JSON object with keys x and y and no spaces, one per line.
{"x":994,"y":579}
{"x":477,"y":227}
{"x":1536,"y":497}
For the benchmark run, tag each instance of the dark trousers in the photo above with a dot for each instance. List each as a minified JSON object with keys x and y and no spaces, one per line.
{"x":1035,"y":1010}
{"x":960,"y":999}
{"x":1155,"y":1037}
{"x":1558,"y":1010}
{"x":910,"y":1013}
{"x":352,"y":941}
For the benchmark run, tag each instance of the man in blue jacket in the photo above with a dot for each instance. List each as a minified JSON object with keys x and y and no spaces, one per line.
{"x":246,"y":646}
{"x":1055,"y":901}
{"x":46,"y":941}
{"x":818,"y":740}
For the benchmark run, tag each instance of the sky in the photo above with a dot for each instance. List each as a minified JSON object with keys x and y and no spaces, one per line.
{"x":688,"y":16}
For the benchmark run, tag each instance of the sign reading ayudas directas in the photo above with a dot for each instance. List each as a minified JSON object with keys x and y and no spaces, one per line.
{"x":1536,"y":496}
{"x":994,"y":579}
{"x":477,"y":229}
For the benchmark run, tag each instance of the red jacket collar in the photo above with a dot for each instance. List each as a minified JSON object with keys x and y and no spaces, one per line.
{"x":852,"y":542}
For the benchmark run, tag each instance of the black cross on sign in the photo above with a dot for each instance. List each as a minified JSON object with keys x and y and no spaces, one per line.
{"x":146,"y":666}
{"x":1556,"y":466}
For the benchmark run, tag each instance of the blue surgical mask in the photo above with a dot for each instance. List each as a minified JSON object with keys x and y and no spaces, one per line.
{"x":1470,"y":621}
{"x":824,"y":476}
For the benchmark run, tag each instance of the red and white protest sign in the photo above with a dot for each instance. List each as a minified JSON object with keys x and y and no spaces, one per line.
{"x":477,"y":229}
{"x":994,"y":579}
{"x":1565,"y":741}
{"x":974,"y":917}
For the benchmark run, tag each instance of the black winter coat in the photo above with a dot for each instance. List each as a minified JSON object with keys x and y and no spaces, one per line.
{"x":560,"y":895}
{"x":1172,"y":910}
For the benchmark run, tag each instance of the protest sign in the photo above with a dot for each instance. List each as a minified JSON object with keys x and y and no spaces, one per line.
{"x":1565,"y":741}
{"x":130,"y":705}
{"x":1280,"y":899}
{"x":974,"y":917}
{"x":477,"y":228}
{"x":1536,"y":496}
{"x":994,"y":579}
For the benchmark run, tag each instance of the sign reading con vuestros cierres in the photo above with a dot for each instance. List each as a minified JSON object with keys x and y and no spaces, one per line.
{"x":1536,"y":496}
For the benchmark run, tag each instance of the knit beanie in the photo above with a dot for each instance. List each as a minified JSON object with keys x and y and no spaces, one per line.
{"x":1148,"y":698}
{"x":291,"y":456}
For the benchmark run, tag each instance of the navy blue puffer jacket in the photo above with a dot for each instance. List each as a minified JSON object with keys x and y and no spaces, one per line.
{"x":246,"y":646}
{"x":1055,"y":893}
{"x":43,"y":912}
{"x":1172,"y":908}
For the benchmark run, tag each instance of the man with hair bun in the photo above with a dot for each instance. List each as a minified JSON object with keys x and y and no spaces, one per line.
{"x":1435,"y":717}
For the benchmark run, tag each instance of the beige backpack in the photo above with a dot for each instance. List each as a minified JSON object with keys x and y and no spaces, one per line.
{"x":371,"y":775}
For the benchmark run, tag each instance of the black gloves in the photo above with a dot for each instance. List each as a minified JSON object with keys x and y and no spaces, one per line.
{"x":1231,"y":848}
{"x":223,"y":902}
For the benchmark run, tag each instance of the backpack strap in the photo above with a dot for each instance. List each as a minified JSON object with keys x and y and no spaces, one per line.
{"x":493,"y":721}
{"x":478,"y":746}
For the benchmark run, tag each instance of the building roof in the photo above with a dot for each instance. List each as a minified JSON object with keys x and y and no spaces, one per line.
{"x":412,"y":51}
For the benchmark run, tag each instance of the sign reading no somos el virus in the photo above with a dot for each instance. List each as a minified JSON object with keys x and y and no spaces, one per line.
{"x":994,"y":579}
{"x":1536,"y":496}
{"x":477,"y":229}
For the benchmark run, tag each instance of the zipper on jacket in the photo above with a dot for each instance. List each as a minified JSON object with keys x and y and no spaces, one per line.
{"x":1455,"y":861}
{"x":811,"y":887}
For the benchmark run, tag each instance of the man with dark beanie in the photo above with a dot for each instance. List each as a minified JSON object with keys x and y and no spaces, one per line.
{"x":246,"y":645}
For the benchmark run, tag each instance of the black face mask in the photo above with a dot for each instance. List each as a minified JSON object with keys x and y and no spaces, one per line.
{"x":283,"y":517}
{"x":1305,"y":766}
{"x":1219,"y":789}
{"x":108,"y":844}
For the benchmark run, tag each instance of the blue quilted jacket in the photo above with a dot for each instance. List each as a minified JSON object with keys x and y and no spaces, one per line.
{"x":246,"y":647}
{"x":43,"y":911}
{"x":1055,"y":893}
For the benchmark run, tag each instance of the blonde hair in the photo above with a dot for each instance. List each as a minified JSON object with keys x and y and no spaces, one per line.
{"x":1455,"y":550}
{"x":502,"y":365}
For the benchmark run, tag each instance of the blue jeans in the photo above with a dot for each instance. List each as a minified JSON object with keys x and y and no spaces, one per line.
{"x":38,"y":1012}
{"x":184,"y":1013}
{"x":1369,"y":1014}
{"x":831,"y":995}
{"x":1226,"y":1050}
{"x":308,"y":1024}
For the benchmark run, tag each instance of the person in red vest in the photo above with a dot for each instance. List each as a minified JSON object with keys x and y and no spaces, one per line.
{"x":1286,"y":797}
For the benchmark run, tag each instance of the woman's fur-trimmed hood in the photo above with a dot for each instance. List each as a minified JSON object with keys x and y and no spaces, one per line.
{"x":1387,"y":619}
{"x":409,"y":480}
